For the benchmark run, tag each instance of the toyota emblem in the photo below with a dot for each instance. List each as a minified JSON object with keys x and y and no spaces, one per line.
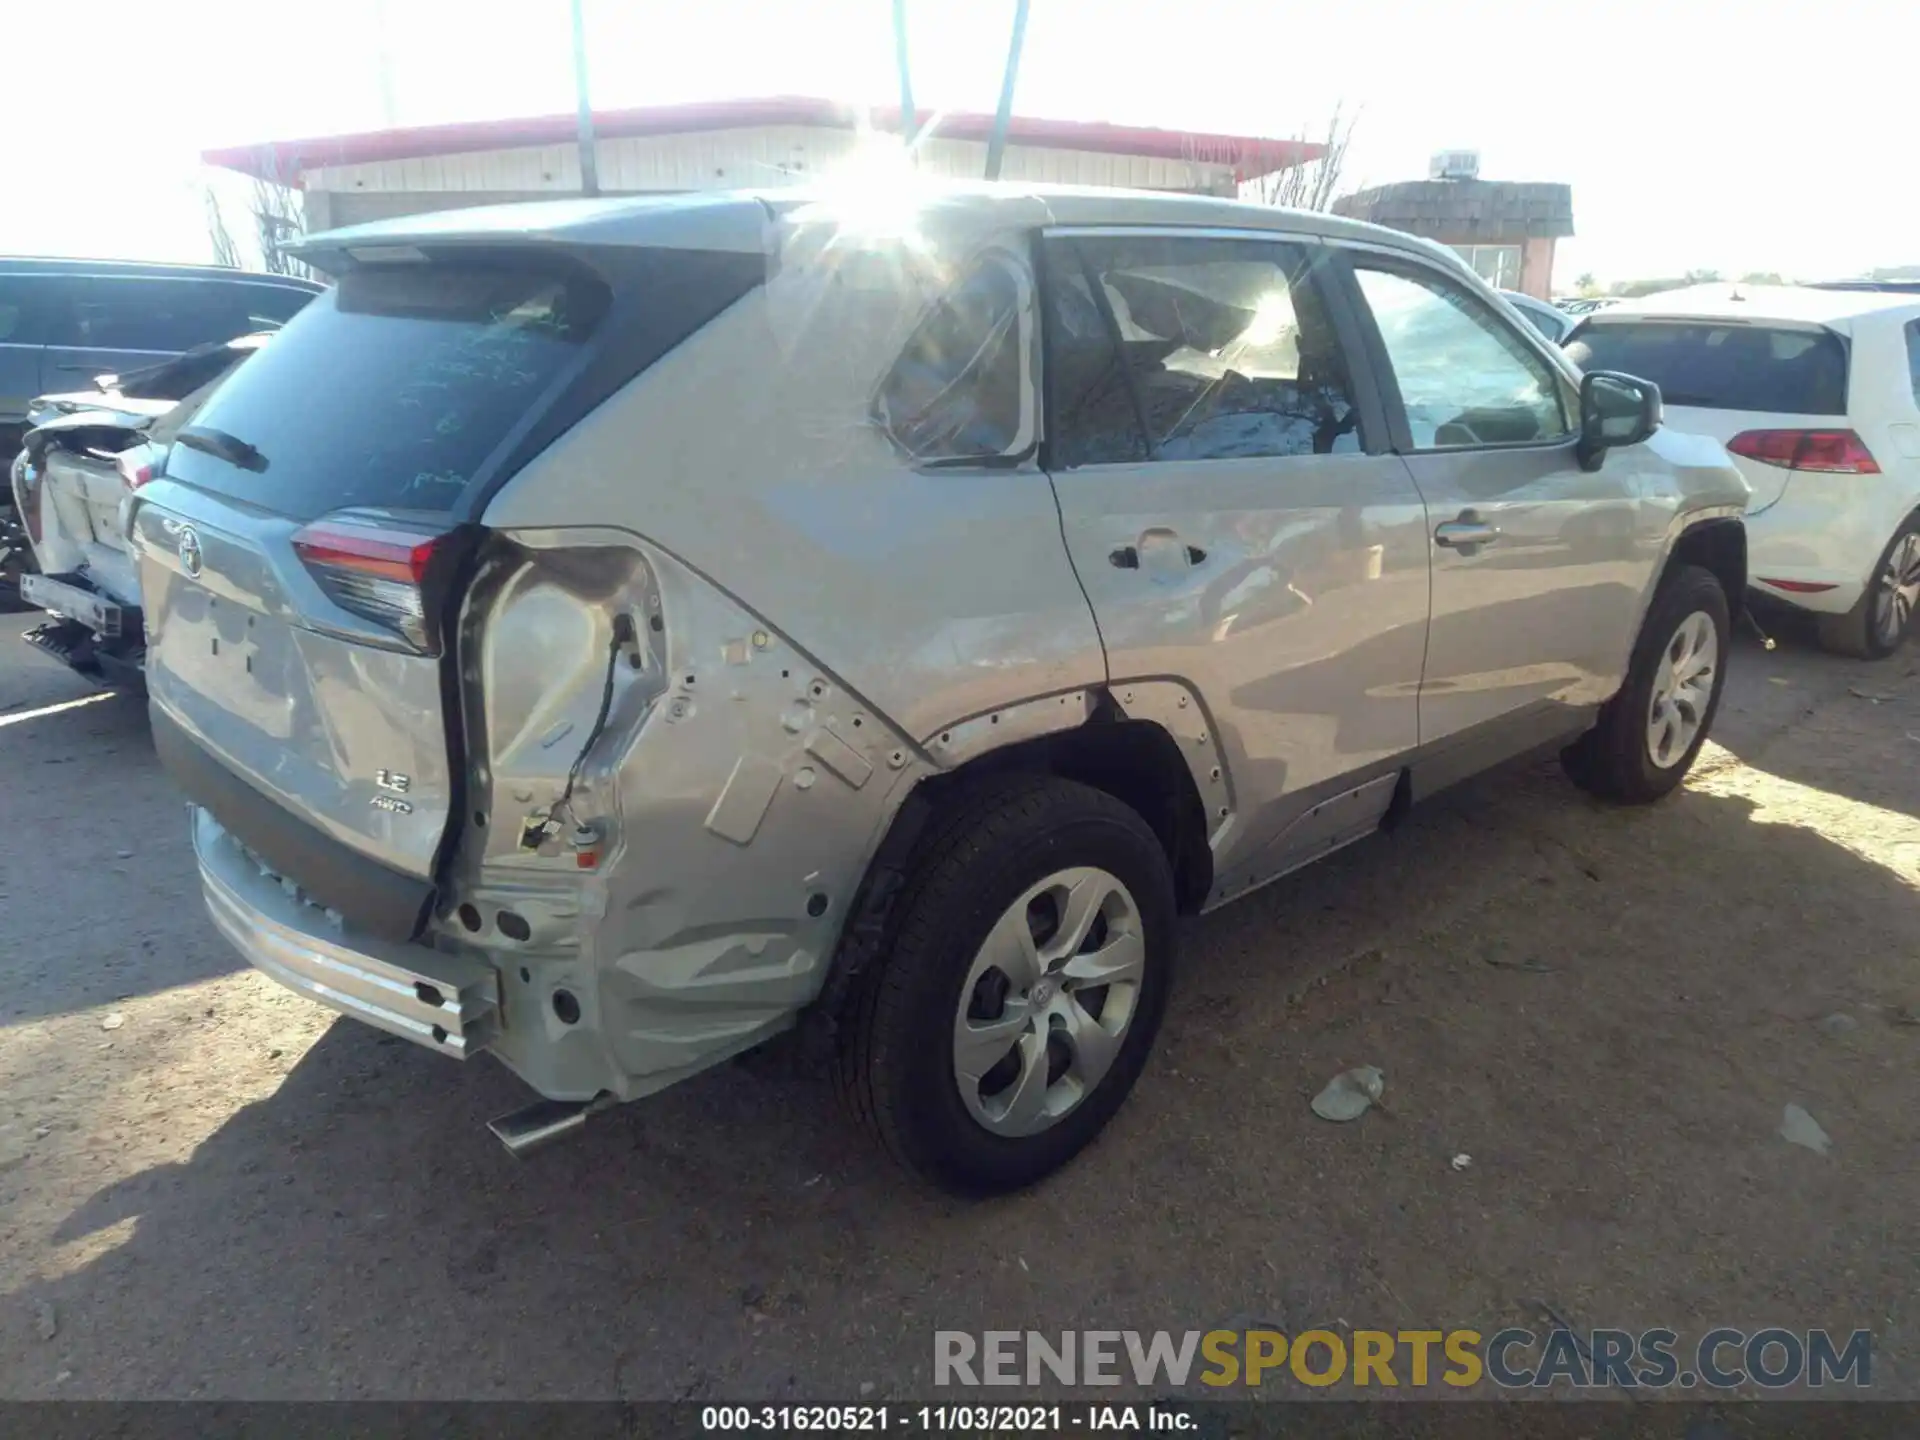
{"x":189,"y":552}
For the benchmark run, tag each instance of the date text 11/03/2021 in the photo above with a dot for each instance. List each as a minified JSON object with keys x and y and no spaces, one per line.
{"x":960,"y":1419}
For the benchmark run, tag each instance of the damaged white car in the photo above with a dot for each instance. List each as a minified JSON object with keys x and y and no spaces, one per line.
{"x":82,"y":458}
{"x":606,"y":634}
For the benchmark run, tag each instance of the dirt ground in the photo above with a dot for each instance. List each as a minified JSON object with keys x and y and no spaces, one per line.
{"x":209,"y":1189}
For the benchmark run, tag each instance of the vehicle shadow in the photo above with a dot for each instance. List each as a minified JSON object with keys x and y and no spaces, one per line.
{"x":357,"y":1233}
{"x":1854,"y":725}
{"x":100,"y":894}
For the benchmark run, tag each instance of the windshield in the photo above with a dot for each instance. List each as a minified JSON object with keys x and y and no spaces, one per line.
{"x":1723,"y":367}
{"x":394,"y":388}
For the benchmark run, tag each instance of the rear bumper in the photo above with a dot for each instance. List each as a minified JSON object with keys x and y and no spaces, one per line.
{"x":72,"y":597}
{"x":376,"y":901}
{"x":448,"y":1003}
{"x":1826,"y":531}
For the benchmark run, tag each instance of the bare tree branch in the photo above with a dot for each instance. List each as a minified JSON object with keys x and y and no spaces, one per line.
{"x":1313,"y":184}
{"x":280,"y":220}
{"x":219,"y":237}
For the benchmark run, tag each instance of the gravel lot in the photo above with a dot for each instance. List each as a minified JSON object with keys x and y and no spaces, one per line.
{"x":207,"y":1189}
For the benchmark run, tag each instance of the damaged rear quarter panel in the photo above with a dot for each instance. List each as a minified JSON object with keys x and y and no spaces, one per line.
{"x":750,"y":453}
{"x":736,"y":793}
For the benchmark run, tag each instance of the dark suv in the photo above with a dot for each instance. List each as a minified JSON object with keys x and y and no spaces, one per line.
{"x":64,"y":321}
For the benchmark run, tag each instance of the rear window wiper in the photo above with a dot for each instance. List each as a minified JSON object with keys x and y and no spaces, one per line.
{"x":222,"y":446}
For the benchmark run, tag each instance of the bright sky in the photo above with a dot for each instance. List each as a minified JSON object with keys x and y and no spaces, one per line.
{"x":1695,"y":133}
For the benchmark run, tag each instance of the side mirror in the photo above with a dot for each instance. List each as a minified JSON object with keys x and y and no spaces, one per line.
{"x":1615,"y":409}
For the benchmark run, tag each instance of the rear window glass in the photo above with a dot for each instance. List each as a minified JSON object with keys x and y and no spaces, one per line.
{"x":1724,"y":367}
{"x":957,"y":390}
{"x":394,"y":388}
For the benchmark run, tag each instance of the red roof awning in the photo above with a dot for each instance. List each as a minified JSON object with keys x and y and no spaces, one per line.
{"x":288,"y":160}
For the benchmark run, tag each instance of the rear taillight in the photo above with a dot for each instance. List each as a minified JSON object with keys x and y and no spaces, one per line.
{"x":376,"y":571}
{"x":138,"y":465}
{"x":1836,"y":452}
{"x":26,"y":495}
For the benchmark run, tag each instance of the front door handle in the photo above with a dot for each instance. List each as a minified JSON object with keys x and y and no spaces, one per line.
{"x":1466,"y":535}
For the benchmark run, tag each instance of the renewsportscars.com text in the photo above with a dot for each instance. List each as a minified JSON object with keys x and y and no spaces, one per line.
{"x":1514,"y":1358}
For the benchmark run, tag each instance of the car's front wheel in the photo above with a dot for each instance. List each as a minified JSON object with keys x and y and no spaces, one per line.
{"x":1031,"y":952}
{"x":1649,"y":733}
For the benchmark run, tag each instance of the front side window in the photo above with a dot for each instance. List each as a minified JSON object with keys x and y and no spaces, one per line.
{"x":1174,"y":348}
{"x":1466,"y":376}
{"x":1544,"y":318}
{"x":1913,"y":357}
{"x":959,"y":391}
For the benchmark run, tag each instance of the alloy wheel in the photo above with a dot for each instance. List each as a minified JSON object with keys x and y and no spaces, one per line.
{"x":1047,"y":1001}
{"x":1682,"y":689}
{"x":1896,"y":591}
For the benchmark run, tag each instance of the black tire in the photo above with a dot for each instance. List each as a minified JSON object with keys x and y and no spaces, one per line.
{"x":1614,"y":759}
{"x":895,"y":1064}
{"x":1857,"y":632}
{"x":16,"y":559}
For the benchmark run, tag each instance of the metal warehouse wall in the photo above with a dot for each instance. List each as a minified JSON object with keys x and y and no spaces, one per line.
{"x":728,"y":159}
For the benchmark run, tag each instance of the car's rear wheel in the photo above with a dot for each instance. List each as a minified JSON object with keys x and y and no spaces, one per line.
{"x":1883,"y":617}
{"x":1030,"y":956}
{"x":1649,"y":733}
{"x":16,"y":560}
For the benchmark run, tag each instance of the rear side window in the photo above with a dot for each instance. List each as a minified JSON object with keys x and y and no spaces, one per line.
{"x":959,"y":388}
{"x":268,"y":307}
{"x":132,"y":313}
{"x":1191,"y":348}
{"x":1723,"y":367}
{"x":1466,"y":376}
{"x":179,"y":377}
{"x":394,"y":387}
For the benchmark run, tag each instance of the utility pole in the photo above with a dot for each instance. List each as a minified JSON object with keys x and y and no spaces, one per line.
{"x":997,"y":145}
{"x":384,"y":38}
{"x":589,"y":166}
{"x":909,"y":117}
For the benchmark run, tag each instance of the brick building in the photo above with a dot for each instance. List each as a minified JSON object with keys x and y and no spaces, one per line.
{"x":1505,"y":230}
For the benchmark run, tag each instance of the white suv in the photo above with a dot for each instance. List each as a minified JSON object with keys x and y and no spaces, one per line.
{"x":1816,"y":393}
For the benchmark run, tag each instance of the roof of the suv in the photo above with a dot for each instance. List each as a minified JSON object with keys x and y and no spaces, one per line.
{"x":736,"y":219}
{"x":1799,"y":303}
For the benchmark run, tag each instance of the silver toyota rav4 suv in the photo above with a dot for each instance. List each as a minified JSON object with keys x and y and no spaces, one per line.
{"x":610,"y":633}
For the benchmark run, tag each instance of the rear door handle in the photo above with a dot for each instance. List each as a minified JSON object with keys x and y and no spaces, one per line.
{"x":1160,"y":546}
{"x":1466,"y":535}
